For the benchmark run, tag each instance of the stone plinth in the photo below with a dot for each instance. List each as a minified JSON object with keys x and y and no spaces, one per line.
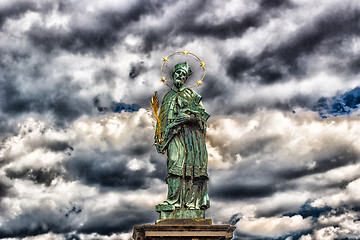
{"x":189,"y":229}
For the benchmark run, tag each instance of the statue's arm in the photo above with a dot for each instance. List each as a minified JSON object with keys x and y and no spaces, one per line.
{"x":194,"y":112}
{"x":172,"y":129}
{"x":158,"y":142}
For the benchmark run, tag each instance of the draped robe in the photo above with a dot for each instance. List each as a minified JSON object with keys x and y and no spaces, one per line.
{"x":184,"y":144}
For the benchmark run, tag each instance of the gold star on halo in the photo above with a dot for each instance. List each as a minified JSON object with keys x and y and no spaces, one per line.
{"x":185,"y":52}
{"x":202,"y":64}
{"x":165,"y":59}
{"x":199,"y":83}
{"x":163,"y":79}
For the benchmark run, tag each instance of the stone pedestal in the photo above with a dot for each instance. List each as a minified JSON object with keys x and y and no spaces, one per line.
{"x":189,"y":229}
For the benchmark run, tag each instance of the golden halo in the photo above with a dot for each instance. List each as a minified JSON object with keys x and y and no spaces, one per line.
{"x":185,"y":52}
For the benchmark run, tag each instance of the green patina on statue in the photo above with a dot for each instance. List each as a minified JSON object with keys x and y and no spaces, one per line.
{"x":180,"y":134}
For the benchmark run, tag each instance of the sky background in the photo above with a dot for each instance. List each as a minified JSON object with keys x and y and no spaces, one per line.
{"x":76,"y":131}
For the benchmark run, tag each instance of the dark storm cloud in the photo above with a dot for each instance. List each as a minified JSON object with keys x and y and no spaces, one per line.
{"x":191,"y":29}
{"x":106,"y":173}
{"x":43,"y":142}
{"x":15,"y":10}
{"x":238,"y":65}
{"x":292,"y":235}
{"x":156,"y":38}
{"x":72,"y":237}
{"x":102,"y":103}
{"x":338,"y":218}
{"x":137,"y":69}
{"x":6,"y":128}
{"x":110,"y":169}
{"x":288,"y":105}
{"x":212,"y":88}
{"x":257,"y":181}
{"x":324,"y":162}
{"x":10,"y":57}
{"x":46,"y":220}
{"x":115,"y":222}
{"x":307,"y":210}
{"x":296,"y":234}
{"x":342,"y":184}
{"x":228,"y":28}
{"x":159,"y":163}
{"x":107,"y":170}
{"x":54,"y":220}
{"x":277,"y":63}
{"x":354,"y":65}
{"x":101,"y":35}
{"x":324,"y":106}
{"x":4,"y":188}
{"x":11,"y":101}
{"x":105,"y":75}
{"x":226,"y":107}
{"x":57,"y":146}
{"x":242,"y":191}
{"x":246,"y":181}
{"x":74,"y":209}
{"x":63,"y":102}
{"x":257,"y":145}
{"x":267,"y":4}
{"x":37,"y":175}
{"x":275,"y":211}
{"x":343,"y":105}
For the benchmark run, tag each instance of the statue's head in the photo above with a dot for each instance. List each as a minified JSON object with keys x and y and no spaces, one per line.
{"x":181,"y":73}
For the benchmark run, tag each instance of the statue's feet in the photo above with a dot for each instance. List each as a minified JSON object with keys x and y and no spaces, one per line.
{"x":166,"y":203}
{"x":164,"y":206}
{"x":190,"y":207}
{"x":204,"y":207}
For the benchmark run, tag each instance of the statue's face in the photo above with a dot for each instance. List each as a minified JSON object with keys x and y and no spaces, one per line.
{"x":179,"y":78}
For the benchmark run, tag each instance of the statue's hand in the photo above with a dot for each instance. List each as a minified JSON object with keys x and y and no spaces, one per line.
{"x":183,"y":117}
{"x":159,"y":147}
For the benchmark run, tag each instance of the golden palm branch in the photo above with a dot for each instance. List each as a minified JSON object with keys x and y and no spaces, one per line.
{"x":154,"y":102}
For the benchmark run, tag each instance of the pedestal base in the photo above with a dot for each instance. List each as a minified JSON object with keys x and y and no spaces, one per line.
{"x":187,"y":229}
{"x":183,"y":214}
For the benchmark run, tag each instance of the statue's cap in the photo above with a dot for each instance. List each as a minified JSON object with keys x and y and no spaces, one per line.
{"x":183,"y":66}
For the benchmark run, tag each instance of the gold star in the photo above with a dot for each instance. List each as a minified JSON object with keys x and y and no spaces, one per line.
{"x":202,"y":64}
{"x":165,"y":59}
{"x":163,"y":79}
{"x":199,"y":83}
{"x":185,"y":52}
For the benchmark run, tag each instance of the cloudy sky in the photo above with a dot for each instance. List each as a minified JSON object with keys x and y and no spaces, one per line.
{"x":282,"y":87}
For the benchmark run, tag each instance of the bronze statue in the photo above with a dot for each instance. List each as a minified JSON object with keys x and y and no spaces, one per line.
{"x":180,"y":134}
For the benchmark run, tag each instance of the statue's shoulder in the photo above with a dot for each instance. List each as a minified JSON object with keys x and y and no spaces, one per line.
{"x":190,"y":92}
{"x":192,"y":95}
{"x":168,"y":94}
{"x":168,"y":98}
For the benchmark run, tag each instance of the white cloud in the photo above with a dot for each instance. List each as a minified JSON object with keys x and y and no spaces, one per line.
{"x":273,"y":226}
